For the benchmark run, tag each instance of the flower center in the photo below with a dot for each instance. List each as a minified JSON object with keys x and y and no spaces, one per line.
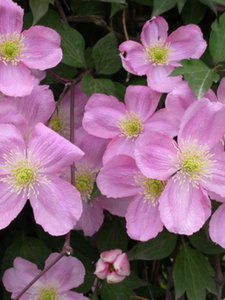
{"x":131,"y":126}
{"x":84,"y":182}
{"x":48,"y":294}
{"x":23,"y":173}
{"x":56,"y":124}
{"x":111,"y":268}
{"x":195,"y":163}
{"x":11,"y":48}
{"x":158,"y":54}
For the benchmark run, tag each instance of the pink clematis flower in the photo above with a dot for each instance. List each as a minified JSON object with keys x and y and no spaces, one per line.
{"x":159,"y":54}
{"x":113,"y":266}
{"x":60,"y":121}
{"x":56,"y":283}
{"x":192,"y":167}
{"x":25,"y":112}
{"x":120,"y":177}
{"x":36,"y":48}
{"x":108,"y":118}
{"x":32,"y":171}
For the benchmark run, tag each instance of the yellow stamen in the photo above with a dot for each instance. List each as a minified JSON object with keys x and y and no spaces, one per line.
{"x":158,"y":54}
{"x":11,"y":48}
{"x":131,"y":126}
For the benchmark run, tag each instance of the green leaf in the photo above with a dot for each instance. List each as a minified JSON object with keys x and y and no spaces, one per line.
{"x":217,"y":40}
{"x":221,"y":2}
{"x":114,"y":1}
{"x":157,"y":248}
{"x":111,"y":235}
{"x":73,"y":48}
{"x":180,"y":5}
{"x":28,"y":248}
{"x":90,"y":85}
{"x":199,"y":76}
{"x":106,"y":55}
{"x":193,"y":274}
{"x":210,"y":4}
{"x":115,"y":8}
{"x":202,"y":242}
{"x":193,"y":12}
{"x":39,"y":9}
{"x":162,"y":6}
{"x":116,"y":292}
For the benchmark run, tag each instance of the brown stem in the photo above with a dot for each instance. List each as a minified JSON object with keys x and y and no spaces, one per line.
{"x":124,"y":25}
{"x":72,"y":126}
{"x":61,"y":11}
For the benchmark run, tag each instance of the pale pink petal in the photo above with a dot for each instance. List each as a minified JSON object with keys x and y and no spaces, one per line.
{"x":221,"y":91}
{"x":10,"y":114}
{"x":119,"y":146}
{"x":143,"y":220}
{"x":42,"y":48}
{"x":11,"y":17}
{"x":117,"y":207}
{"x":93,"y":148}
{"x":121,"y":265}
{"x":183,"y":208}
{"x":217,"y":226}
{"x":110,"y":255}
{"x":210,"y":94}
{"x":92,"y":217}
{"x":15,"y":80}
{"x":58,"y":206}
{"x":11,"y":204}
{"x":113,"y":277}
{"x":186,"y":42}
{"x":117,"y":177}
{"x":68,"y":272}
{"x":102,"y":114}
{"x":156,"y":155}
{"x":16,"y":278}
{"x":203,"y":121}
{"x":159,"y":80}
{"x":73,"y":296}
{"x":163,"y":121}
{"x":101,"y":269}
{"x":153,"y":31}
{"x":134,"y":58}
{"x":54,"y":151}
{"x":142,"y":101}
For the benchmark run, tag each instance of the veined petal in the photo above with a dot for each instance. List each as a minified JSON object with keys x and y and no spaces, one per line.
{"x":142,"y":101}
{"x":58,"y":206}
{"x":221,"y":91}
{"x":183,"y":208}
{"x":117,"y":207}
{"x":143,"y":220}
{"x":11,"y":17}
{"x":217,"y":226}
{"x":156,"y":155}
{"x":42,"y":48}
{"x":54,"y":152}
{"x":153,"y":31}
{"x":102,"y":114}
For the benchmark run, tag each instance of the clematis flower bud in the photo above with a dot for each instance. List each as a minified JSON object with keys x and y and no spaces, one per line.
{"x":113,"y":266}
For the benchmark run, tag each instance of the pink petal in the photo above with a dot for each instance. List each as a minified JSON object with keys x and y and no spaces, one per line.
{"x":68,"y":272}
{"x":117,"y":207}
{"x":92,"y":217}
{"x":102,"y":114}
{"x":217,"y":226}
{"x":11,"y":204}
{"x":101,"y":269}
{"x":113,"y":277}
{"x":156,"y":155}
{"x":110,"y":255}
{"x":183,"y":208}
{"x":73,"y":296}
{"x":221,"y":91}
{"x":203,"y":121}
{"x":186,"y":42}
{"x":119,"y":146}
{"x":93,"y":148}
{"x":122,"y":265}
{"x":134,"y":58}
{"x":142,"y":101}
{"x":54,"y":151}
{"x":42,"y":48}
{"x":10,"y":114}
{"x":143,"y":220}
{"x":57,"y":207}
{"x":159,"y":80}
{"x":154,"y":31}
{"x":117,"y":177}
{"x":15,"y":80}
{"x":11,"y":17}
